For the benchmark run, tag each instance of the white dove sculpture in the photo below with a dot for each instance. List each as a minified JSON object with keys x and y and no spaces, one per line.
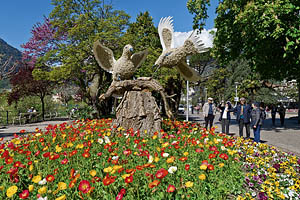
{"x":176,"y":57}
{"x":125,"y":66}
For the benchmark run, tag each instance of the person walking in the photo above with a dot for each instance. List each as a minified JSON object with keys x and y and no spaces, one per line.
{"x":243,"y":111}
{"x":281,"y":111}
{"x":256,"y":121}
{"x":225,"y":110}
{"x":209,"y":112}
{"x":273,"y":113}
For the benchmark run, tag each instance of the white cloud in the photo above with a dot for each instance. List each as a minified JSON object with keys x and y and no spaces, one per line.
{"x":206,"y":37}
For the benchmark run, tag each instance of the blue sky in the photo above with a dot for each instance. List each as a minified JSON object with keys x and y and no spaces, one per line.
{"x":18,"y":16}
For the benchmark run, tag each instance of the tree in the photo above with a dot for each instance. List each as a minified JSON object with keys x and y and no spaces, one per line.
{"x":266,"y":33}
{"x":82,"y":22}
{"x":25,"y":85}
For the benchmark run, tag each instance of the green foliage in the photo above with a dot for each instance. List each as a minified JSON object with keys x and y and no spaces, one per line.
{"x":264,"y":32}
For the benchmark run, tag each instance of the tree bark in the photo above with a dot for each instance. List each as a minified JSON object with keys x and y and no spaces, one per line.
{"x":43,"y":106}
{"x":138,"y":110}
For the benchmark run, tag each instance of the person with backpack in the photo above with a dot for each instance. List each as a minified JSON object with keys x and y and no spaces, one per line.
{"x":256,"y":120}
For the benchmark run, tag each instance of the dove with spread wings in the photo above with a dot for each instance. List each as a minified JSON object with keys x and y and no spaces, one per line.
{"x":125,"y":66}
{"x":176,"y":57}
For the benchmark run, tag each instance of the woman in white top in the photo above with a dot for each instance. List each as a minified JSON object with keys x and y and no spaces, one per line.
{"x":225,"y":116}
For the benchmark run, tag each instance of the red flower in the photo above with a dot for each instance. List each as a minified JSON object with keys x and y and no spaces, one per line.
{"x":210,"y":156}
{"x":161,"y":173}
{"x":17,"y":164}
{"x":9,"y":160}
{"x":108,"y":180}
{"x":187,"y":167}
{"x":223,"y":156}
{"x":213,"y":148}
{"x":47,"y":154}
{"x":64,"y":161}
{"x":205,"y":162}
{"x":210,"y":167}
{"x":84,"y":186}
{"x":154,"y":184}
{"x":86,"y":155}
{"x":171,"y":188}
{"x":183,"y":158}
{"x":121,"y":194}
{"x":50,"y":178}
{"x":129,"y":179}
{"x":24,"y":194}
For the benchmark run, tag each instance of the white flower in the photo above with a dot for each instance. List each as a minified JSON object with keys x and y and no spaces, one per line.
{"x":223,"y":148}
{"x":41,"y":198}
{"x":106,"y":139}
{"x":172,"y":169}
{"x":115,"y":157}
{"x":198,"y":142}
{"x":174,"y":142}
{"x":100,"y":140}
{"x":165,"y":155}
{"x":150,"y":159}
{"x":42,"y":182}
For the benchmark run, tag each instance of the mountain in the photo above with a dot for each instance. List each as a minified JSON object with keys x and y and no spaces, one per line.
{"x":7,"y":51}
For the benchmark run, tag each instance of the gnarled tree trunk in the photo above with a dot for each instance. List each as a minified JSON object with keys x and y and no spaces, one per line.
{"x":138,"y":110}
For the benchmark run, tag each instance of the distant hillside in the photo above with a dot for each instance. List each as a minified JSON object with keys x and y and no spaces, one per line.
{"x":6,"y":51}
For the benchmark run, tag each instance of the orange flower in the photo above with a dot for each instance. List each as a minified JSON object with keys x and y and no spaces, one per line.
{"x":9,"y":160}
{"x":108,"y":180}
{"x":154,"y":184}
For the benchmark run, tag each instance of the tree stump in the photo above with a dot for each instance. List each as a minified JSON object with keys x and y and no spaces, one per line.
{"x":138,"y":110}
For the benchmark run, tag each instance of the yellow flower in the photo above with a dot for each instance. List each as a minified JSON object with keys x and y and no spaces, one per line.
{"x":221,"y":165}
{"x":36,"y":179}
{"x":30,"y":188}
{"x":30,"y":167}
{"x":156,"y":159}
{"x":93,"y":173}
{"x":58,"y":148}
{"x":108,"y":169}
{"x":1,"y":188}
{"x":70,"y":144}
{"x":42,"y":190}
{"x":186,"y":153}
{"x":11,"y":191}
{"x":63,"y":197}
{"x":62,"y":186}
{"x":171,"y":159}
{"x":117,"y":167}
{"x":203,"y":167}
{"x":79,"y":146}
{"x":154,"y":137}
{"x":165,"y":144}
{"x":202,"y":177}
{"x":189,"y":184}
{"x":125,"y":176}
{"x":45,"y":148}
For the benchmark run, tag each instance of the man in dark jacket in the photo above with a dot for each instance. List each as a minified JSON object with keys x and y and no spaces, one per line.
{"x":256,"y":121}
{"x":243,"y":113}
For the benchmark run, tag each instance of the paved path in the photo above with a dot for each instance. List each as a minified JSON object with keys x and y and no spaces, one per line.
{"x":286,"y":138}
{"x":9,"y":131}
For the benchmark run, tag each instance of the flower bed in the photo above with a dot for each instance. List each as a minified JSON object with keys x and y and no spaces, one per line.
{"x":84,"y":161}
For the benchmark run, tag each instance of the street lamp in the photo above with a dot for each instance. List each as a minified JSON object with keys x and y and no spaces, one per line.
{"x":205,"y":92}
{"x":187,"y":94}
